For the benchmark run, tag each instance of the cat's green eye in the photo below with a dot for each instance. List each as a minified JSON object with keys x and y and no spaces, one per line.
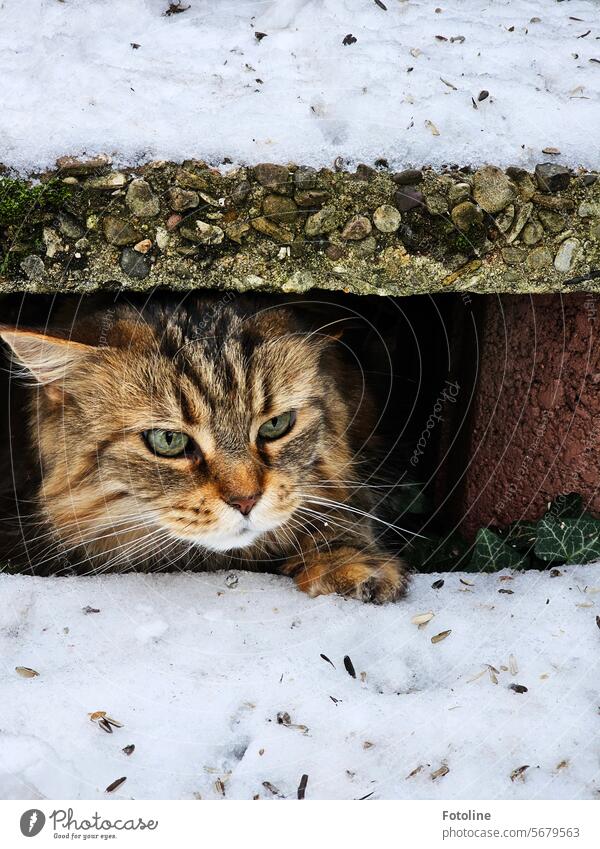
{"x":166,"y":443}
{"x":278,"y":426}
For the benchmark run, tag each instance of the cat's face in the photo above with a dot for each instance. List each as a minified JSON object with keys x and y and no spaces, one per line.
{"x":207,"y":431}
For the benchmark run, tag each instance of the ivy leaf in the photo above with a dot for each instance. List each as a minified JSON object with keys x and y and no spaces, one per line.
{"x":569,"y":506}
{"x":452,"y":553}
{"x":491,"y":553}
{"x":419,"y":552}
{"x":568,"y":540}
{"x":521,"y":535}
{"x":407,"y":497}
{"x":435,"y":553}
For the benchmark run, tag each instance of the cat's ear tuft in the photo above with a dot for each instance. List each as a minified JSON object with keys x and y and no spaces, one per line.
{"x":338,"y":328}
{"x":48,"y":359}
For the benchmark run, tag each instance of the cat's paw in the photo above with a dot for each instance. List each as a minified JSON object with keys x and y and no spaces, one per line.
{"x":365,"y":575}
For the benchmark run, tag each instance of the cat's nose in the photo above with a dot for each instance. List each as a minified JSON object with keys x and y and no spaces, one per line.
{"x":243,"y":503}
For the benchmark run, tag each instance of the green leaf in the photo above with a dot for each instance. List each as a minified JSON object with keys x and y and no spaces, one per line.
{"x":436,"y":553}
{"x":569,"y":506}
{"x":491,"y":553}
{"x":419,"y":552}
{"x":521,"y":535}
{"x":568,"y":540}
{"x":453,"y":553}
{"x":407,"y":497}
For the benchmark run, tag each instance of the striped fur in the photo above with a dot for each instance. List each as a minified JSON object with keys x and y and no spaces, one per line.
{"x":215,"y":369}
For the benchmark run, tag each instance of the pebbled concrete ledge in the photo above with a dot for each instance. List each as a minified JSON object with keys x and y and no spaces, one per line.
{"x":88,"y":226}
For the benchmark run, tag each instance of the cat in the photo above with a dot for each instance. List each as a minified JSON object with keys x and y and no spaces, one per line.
{"x":205,"y":433}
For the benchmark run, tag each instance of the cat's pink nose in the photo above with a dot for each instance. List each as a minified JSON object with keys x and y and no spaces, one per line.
{"x":243,"y":503}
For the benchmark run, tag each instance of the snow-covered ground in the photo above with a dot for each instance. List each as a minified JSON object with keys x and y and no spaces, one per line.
{"x":198,"y":669}
{"x":124,"y":78}
{"x":222,"y":687}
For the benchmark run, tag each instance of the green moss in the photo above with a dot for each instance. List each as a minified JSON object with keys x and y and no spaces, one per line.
{"x":462,"y":244}
{"x":19,"y":199}
{"x":22,"y":207}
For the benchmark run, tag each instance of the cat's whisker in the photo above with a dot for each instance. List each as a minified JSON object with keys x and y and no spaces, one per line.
{"x":163,"y":563}
{"x":342,"y":527}
{"x":293,"y":541}
{"x":361,"y":485}
{"x":329,"y":520}
{"x":297,"y":525}
{"x":90,"y":557}
{"x":113,"y":523}
{"x":355,"y":510}
{"x":121,"y":557}
{"x":148,"y":542}
{"x":63,"y":552}
{"x":79,"y":522}
{"x":302,"y":525}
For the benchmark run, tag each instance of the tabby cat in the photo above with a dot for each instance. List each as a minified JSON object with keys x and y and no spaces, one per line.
{"x":204,"y":435}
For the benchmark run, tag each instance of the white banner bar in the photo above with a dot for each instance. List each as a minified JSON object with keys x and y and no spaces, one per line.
{"x":303,"y":825}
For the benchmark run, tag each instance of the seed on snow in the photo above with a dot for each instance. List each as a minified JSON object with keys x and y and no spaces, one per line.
{"x":441,"y":636}
{"x":26,"y":672}
{"x":115,"y":784}
{"x":272,"y":789}
{"x":415,"y":771}
{"x":439,"y":773}
{"x":349,"y":666}
{"x":96,"y":715}
{"x":478,"y":676}
{"x":103,"y":719}
{"x":519,"y":773}
{"x":422,"y":618}
{"x":302,"y":786}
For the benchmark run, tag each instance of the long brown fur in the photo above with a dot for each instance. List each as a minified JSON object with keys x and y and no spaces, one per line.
{"x":215,"y":370}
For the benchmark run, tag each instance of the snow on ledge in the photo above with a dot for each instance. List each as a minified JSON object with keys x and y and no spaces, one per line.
{"x":128,"y":80}
{"x":197,"y":668}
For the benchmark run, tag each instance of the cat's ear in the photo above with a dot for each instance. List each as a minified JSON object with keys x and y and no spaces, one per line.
{"x":48,"y":359}
{"x":339,"y":328}
{"x":328,"y":320}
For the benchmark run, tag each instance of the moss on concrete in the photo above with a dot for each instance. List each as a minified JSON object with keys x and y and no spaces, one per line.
{"x":87,"y":227}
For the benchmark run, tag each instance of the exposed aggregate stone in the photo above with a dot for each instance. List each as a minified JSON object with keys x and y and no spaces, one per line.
{"x":277,"y":227}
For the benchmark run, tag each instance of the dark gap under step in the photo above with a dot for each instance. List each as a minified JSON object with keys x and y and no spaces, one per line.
{"x":488,"y":409}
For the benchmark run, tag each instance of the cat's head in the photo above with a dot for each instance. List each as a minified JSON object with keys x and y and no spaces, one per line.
{"x":203,"y":423}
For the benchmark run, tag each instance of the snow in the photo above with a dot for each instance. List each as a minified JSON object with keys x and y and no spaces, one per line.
{"x":200,"y":84}
{"x":197,"y":669}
